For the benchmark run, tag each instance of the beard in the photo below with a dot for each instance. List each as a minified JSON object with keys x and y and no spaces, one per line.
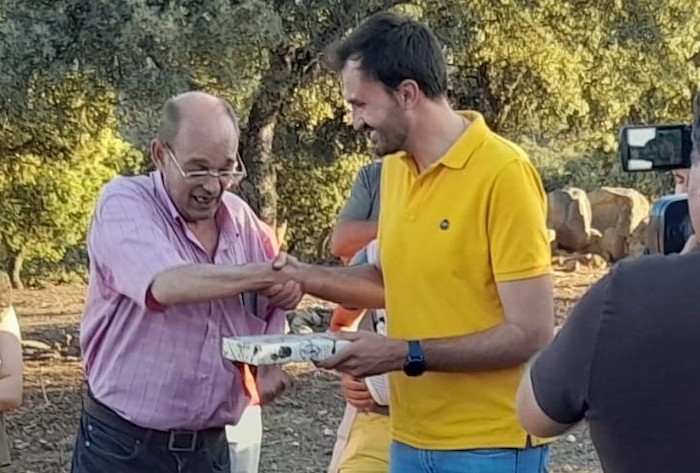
{"x":388,"y":140}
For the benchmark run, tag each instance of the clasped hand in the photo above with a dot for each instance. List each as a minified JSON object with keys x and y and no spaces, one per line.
{"x":287,"y":289}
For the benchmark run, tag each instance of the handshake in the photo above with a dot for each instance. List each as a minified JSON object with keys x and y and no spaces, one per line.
{"x":287,"y":276}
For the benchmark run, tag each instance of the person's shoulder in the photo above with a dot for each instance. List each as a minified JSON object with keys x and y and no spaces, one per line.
{"x":496,"y":153}
{"x":239,"y":210}
{"x":236,"y":205}
{"x":649,"y":275}
{"x":140,"y":186}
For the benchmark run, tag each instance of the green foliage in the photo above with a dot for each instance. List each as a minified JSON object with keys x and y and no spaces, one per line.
{"x":80,"y":76}
{"x":590,"y":171}
{"x":45,"y":204}
{"x":310,"y":197}
{"x":571,"y":71}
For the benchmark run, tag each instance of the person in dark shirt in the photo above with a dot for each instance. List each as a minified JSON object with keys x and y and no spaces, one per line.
{"x":626,"y":361}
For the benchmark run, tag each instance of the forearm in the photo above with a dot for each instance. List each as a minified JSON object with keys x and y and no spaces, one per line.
{"x":504,"y":346}
{"x":350,"y":236}
{"x":10,"y":392}
{"x":206,"y":282}
{"x":356,"y":286}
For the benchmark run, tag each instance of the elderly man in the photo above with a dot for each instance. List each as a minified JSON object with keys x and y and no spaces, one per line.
{"x":625,"y":361}
{"x":176,"y":263}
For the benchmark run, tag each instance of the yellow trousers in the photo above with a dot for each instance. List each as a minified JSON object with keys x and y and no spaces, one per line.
{"x":367,"y":448}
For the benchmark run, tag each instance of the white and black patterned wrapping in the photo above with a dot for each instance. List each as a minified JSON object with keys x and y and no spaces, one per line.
{"x":281,"y":349}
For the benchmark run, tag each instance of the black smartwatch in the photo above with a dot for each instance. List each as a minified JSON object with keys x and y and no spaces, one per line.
{"x":415,"y":361}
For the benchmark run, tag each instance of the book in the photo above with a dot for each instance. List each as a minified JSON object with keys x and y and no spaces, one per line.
{"x":260,"y":350}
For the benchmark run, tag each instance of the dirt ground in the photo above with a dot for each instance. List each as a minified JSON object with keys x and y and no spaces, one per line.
{"x":299,"y":427}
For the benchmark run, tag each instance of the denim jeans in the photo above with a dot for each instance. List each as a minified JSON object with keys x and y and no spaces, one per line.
{"x":100,"y":448}
{"x":406,"y":459}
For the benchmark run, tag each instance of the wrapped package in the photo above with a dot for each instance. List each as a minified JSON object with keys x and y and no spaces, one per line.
{"x":281,"y":349}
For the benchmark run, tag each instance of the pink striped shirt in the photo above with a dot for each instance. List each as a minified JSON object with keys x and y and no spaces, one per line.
{"x":164,"y":370}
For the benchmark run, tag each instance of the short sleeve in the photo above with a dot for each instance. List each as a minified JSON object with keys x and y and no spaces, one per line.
{"x":561,"y":374}
{"x":517,"y":224}
{"x":127,"y":244}
{"x":359,"y":203}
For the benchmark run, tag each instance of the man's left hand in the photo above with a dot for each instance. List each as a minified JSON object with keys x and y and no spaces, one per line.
{"x":285,"y":296}
{"x":368,"y":355}
{"x":271,"y":382}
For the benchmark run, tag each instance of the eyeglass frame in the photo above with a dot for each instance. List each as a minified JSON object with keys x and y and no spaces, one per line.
{"x":233,"y":176}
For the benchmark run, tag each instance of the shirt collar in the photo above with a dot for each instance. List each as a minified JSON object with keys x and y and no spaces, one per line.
{"x":461,"y":150}
{"x":224,"y":214}
{"x":468,"y":142}
{"x":163,"y":196}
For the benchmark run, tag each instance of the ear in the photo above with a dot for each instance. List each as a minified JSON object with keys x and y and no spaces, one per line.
{"x":408,"y":94}
{"x":158,"y":154}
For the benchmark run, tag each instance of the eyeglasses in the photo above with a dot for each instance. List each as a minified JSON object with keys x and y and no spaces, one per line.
{"x":228,"y":175}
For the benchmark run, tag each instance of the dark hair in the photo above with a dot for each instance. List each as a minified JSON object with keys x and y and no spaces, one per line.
{"x":170,"y":118}
{"x":695,"y":131}
{"x":391,"y":48}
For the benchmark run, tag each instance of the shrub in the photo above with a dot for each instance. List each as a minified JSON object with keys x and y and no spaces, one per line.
{"x":310,"y":196}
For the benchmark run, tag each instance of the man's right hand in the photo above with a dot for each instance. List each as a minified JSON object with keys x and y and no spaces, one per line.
{"x":288,"y":291}
{"x":356,"y":393}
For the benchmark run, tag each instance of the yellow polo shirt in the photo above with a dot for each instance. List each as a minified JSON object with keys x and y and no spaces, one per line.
{"x":447,"y":237}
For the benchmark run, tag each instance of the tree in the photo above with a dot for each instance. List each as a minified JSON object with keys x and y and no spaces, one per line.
{"x":49,"y":174}
{"x":256,"y":52}
{"x":570,"y":72}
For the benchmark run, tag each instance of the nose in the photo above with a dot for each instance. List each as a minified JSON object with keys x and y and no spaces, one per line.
{"x":212,"y":185}
{"x":358,"y":123}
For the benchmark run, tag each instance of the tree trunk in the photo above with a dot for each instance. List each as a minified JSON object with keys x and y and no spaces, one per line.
{"x":16,"y":261}
{"x":260,"y":188}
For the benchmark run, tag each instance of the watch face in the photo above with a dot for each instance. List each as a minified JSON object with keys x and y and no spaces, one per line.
{"x":414,"y":368}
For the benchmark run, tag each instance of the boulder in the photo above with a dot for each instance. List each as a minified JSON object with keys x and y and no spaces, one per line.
{"x":569,"y":216}
{"x":620,"y":215}
{"x":309,"y":320}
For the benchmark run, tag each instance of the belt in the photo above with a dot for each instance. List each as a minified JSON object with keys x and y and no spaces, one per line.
{"x":173,"y":440}
{"x":383,"y":410}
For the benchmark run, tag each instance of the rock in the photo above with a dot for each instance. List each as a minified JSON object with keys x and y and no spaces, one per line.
{"x":571,"y":438}
{"x":36,"y":345}
{"x":569,"y":216}
{"x":310,"y":320}
{"x":573,"y":262}
{"x":617,"y":214}
{"x":328,"y":432}
{"x":637,"y":242}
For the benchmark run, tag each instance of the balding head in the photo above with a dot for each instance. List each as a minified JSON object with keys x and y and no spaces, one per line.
{"x":198,"y":132}
{"x":192,"y":107}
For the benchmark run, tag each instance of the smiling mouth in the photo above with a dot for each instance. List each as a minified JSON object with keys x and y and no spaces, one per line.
{"x":204,"y":201}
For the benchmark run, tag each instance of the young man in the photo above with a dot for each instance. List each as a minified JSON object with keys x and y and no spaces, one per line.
{"x":465,"y":266}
